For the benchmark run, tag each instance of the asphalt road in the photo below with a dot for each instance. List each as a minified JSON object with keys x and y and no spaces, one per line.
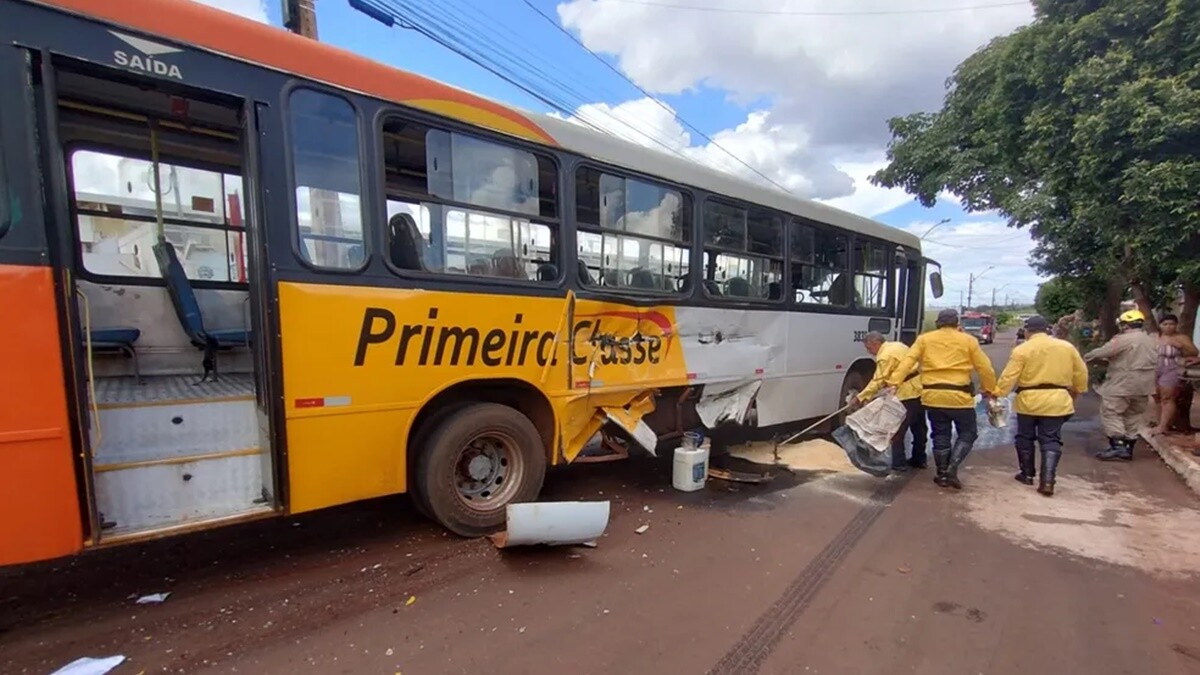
{"x":822,"y":570}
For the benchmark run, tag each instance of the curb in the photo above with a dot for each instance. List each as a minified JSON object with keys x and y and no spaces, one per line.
{"x":1187,"y":468}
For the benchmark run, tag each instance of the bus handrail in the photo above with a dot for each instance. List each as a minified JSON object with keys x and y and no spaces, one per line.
{"x":91,"y":374}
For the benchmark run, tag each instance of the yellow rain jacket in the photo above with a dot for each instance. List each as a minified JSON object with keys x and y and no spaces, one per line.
{"x":946,"y":356}
{"x":1047,"y":373}
{"x":889,"y":357}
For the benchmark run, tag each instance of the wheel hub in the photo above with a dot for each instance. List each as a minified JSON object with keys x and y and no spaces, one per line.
{"x":483,"y":470}
{"x":479,"y":467}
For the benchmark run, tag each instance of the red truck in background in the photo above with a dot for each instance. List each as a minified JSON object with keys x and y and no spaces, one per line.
{"x":980,"y":325}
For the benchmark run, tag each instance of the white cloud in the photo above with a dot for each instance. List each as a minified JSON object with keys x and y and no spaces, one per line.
{"x":840,"y":77}
{"x":781,"y":152}
{"x":867,"y":199}
{"x":830,"y":82}
{"x":251,"y":9}
{"x":971,"y":248}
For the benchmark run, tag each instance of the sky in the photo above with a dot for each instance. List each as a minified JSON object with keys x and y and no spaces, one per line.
{"x":798,"y":90}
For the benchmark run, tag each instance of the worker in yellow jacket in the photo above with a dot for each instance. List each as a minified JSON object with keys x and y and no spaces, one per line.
{"x":888,"y":356}
{"x":1048,"y":375}
{"x":947,"y":357}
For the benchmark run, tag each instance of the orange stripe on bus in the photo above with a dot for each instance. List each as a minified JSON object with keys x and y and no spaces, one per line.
{"x":195,"y":24}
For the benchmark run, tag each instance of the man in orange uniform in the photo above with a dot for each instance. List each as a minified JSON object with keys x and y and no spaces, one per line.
{"x":947,"y":357}
{"x":887,"y":357}
{"x":1048,"y":374}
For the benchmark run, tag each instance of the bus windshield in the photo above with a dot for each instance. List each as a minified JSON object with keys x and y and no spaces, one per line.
{"x":974,"y":323}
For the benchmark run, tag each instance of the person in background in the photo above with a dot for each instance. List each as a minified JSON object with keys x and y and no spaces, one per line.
{"x":1128,"y":384}
{"x":887,"y":357}
{"x":947,"y":357}
{"x":1048,"y":374}
{"x":1173,"y":349}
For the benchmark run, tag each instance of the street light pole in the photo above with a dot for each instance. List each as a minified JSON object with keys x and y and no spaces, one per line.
{"x":971,"y":283}
{"x":936,"y":225}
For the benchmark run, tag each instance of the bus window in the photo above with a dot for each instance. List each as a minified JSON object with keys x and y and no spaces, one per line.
{"x":743,"y":253}
{"x":819,"y":269}
{"x":325,"y":160}
{"x":871,"y":272}
{"x":462,"y":205}
{"x":632,"y":234}
{"x":117,"y":218}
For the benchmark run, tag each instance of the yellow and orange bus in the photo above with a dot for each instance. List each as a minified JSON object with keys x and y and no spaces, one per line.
{"x":248,"y":274}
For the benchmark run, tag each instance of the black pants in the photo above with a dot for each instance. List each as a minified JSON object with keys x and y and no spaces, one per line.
{"x":942,"y":421}
{"x":914,"y":421}
{"x":1046,"y":431}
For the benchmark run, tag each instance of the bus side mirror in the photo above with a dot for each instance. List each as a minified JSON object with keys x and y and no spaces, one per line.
{"x":935,"y":283}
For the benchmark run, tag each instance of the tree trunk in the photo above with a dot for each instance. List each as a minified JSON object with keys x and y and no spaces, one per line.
{"x":1143,"y":303}
{"x":1109,"y":308}
{"x":1187,"y":313}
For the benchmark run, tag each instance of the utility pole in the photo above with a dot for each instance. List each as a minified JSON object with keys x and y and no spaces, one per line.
{"x":324,"y":209}
{"x":971,"y":283}
{"x":994,"y":289}
{"x":300,"y":17}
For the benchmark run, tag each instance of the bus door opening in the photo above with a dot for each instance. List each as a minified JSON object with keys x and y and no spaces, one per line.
{"x":158,"y":202}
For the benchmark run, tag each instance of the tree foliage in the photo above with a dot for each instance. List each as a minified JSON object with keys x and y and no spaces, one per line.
{"x":1057,"y":298}
{"x":1083,"y":126}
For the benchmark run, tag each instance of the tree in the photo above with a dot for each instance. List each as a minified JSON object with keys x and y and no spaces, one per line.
{"x":1057,"y":298}
{"x":1083,"y":126}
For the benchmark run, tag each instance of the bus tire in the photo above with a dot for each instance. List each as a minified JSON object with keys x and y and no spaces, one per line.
{"x":416,"y":447}
{"x":477,"y":461}
{"x":854,"y":383}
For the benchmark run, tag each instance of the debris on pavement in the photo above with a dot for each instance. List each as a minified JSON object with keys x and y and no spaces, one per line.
{"x":153,"y":598}
{"x":410,"y":601}
{"x":553,"y":524}
{"x":90,"y":666}
{"x":642,"y":529}
{"x":738,"y":476}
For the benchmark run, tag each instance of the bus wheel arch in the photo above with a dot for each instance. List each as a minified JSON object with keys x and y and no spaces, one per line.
{"x":856,"y":379}
{"x":476,"y":447}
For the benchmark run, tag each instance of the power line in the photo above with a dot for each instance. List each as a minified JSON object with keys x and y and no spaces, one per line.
{"x":454,"y":31}
{"x":787,"y":12}
{"x":650,"y":96}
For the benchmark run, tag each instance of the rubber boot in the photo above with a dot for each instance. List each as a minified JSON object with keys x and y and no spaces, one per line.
{"x":1026,"y":461}
{"x":958,"y":454}
{"x":1129,"y":445}
{"x":1049,"y":472}
{"x":941,"y":459}
{"x":1118,"y":451}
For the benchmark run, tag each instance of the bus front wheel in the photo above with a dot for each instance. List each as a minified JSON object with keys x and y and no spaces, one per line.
{"x":475,"y":463}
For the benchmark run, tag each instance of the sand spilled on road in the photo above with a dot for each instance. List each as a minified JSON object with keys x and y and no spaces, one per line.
{"x":1122,"y":528}
{"x":814,"y":455}
{"x":834,"y":474}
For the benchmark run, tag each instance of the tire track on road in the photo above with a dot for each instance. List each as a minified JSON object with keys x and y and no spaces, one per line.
{"x":749,"y":653}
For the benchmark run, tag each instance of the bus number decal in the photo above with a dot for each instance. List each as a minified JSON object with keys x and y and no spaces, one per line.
{"x":860,"y":335}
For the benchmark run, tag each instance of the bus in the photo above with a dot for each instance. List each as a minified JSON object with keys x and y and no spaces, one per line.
{"x":249,"y":274}
{"x":980,"y":325}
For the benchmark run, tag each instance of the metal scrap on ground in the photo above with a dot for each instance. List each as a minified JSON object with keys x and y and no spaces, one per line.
{"x":553,"y":524}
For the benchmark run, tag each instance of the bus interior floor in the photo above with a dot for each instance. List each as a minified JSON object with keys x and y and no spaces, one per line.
{"x":170,"y":388}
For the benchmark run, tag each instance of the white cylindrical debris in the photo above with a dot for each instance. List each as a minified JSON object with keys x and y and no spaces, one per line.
{"x":553,"y":523}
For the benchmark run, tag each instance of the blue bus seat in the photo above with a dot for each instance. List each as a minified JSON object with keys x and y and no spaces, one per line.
{"x":187,"y":309}
{"x":117,"y":339}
